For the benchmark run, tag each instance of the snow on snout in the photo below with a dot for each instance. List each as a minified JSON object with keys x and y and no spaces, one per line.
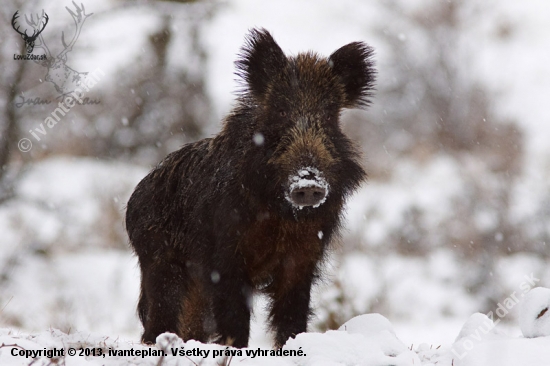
{"x":534,"y":317}
{"x":307,"y":177}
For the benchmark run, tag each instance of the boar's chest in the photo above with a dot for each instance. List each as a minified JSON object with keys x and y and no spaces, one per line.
{"x":280,"y":250}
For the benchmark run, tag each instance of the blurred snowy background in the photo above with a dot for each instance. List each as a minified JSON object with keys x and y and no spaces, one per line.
{"x":456,"y":211}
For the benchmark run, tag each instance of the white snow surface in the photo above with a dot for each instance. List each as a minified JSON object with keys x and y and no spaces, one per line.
{"x":367,"y":340}
{"x":534,"y":317}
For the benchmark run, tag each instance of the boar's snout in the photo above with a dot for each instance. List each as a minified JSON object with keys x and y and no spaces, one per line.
{"x":308,"y":196}
{"x":307,"y":188}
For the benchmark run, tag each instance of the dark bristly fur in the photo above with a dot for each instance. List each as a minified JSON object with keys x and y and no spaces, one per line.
{"x":211,"y":224}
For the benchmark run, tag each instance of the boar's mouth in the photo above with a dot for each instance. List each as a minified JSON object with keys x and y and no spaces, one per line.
{"x":307,"y":188}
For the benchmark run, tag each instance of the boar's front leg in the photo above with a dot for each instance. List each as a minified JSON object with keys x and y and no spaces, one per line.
{"x":289,"y":307}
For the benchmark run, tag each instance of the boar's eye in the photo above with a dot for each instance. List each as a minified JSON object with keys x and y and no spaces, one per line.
{"x":282,"y":113}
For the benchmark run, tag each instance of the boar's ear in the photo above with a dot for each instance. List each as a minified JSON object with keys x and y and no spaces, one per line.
{"x":354,"y":66}
{"x":260,"y":60}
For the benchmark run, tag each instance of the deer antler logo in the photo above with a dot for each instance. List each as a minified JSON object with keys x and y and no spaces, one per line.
{"x":38,"y":27}
{"x":64,"y":78}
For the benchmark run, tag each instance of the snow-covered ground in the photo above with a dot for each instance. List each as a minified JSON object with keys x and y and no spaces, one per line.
{"x":366,"y":340}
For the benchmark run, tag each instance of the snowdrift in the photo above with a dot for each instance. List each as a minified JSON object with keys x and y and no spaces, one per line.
{"x":364,"y":340}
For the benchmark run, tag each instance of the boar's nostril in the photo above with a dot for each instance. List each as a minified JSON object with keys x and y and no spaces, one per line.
{"x":308,"y":196}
